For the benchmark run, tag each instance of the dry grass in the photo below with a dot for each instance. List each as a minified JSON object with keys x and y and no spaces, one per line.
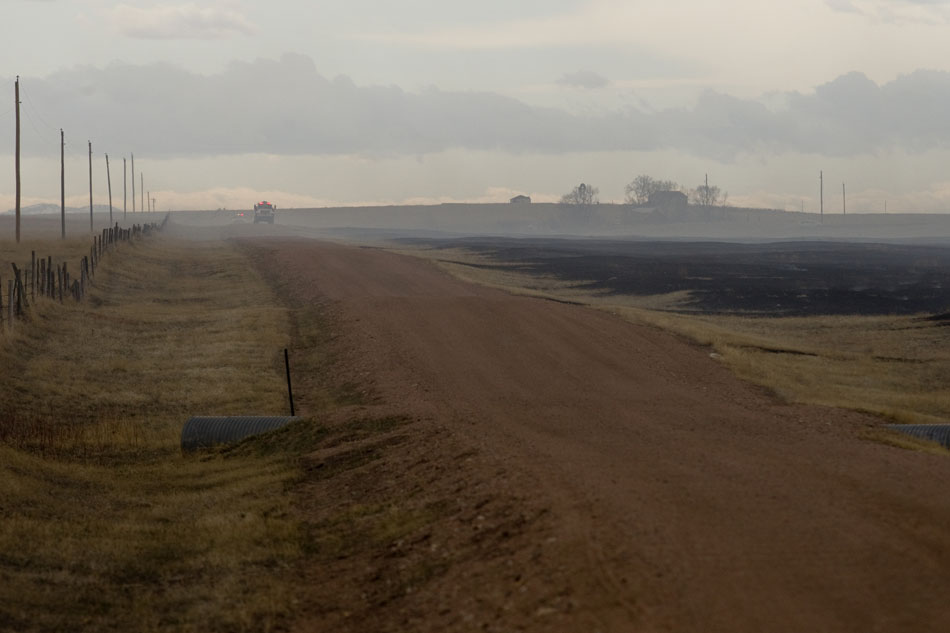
{"x":895,"y":367}
{"x":70,"y":250}
{"x":164,"y":545}
{"x":104,"y":525}
{"x":169,"y":331}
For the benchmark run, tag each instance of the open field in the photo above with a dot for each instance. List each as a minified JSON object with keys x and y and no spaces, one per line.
{"x":48,"y":227}
{"x":603,"y":221}
{"x":774,"y":279}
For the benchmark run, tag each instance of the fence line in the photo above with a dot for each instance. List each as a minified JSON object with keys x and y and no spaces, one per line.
{"x":55,"y":283}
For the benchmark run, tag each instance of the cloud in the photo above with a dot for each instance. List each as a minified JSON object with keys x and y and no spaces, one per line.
{"x":180,"y":21}
{"x":556,"y":29}
{"x":287,"y":107}
{"x":843,"y":6}
{"x":896,"y":11}
{"x":587,"y":79}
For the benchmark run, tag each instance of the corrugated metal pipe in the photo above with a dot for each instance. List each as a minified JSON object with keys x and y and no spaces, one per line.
{"x":202,"y":432}
{"x":939,"y":433}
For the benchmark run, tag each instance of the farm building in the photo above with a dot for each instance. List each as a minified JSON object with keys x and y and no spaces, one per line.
{"x":671,"y":203}
{"x":520,"y":200}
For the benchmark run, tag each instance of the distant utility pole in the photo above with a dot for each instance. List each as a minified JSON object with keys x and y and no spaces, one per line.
{"x":844,"y":202}
{"x":109,"y":181}
{"x":16,"y":99}
{"x":142,"y":190}
{"x":821,"y":190}
{"x":154,"y":205}
{"x":150,"y":201}
{"x":133,"y":183}
{"x":90,"y":188}
{"x":62,"y":182}
{"x":125,"y":199}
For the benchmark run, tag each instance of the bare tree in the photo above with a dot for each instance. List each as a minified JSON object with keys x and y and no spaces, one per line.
{"x":581,"y":194}
{"x":707,"y":195}
{"x":639,"y":190}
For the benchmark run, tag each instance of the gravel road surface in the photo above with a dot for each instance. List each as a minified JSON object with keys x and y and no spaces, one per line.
{"x":683,"y":498}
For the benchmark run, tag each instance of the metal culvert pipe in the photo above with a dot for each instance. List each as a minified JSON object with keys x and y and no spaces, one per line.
{"x":939,"y":433}
{"x":202,"y":432}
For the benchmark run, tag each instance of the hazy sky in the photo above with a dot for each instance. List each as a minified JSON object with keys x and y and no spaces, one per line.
{"x":310,"y":102}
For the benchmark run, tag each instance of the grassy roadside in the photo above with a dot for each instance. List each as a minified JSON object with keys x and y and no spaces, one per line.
{"x":356,"y":523}
{"x":104,"y":526}
{"x":895,"y":367}
{"x":70,"y":249}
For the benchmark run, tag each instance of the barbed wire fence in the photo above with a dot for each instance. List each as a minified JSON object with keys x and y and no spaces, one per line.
{"x":42,"y":280}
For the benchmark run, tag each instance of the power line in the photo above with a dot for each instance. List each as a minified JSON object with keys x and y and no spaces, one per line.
{"x":42,"y":135}
{"x":74,"y":154}
{"x":38,"y":113}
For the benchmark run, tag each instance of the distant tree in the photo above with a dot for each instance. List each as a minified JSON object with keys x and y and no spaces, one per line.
{"x":708,"y":196}
{"x":639,"y":190}
{"x":581,"y":194}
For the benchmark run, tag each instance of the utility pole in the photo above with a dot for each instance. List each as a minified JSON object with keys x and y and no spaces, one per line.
{"x":109,"y":181}
{"x":150,"y":201}
{"x":142,"y":190}
{"x":844,"y":202}
{"x":133,"y":183}
{"x":90,"y":188}
{"x":821,"y":189}
{"x":16,"y":98}
{"x":62,"y":183}
{"x":125,"y":198}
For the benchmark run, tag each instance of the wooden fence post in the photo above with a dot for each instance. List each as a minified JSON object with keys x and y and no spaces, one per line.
{"x":18,"y":286}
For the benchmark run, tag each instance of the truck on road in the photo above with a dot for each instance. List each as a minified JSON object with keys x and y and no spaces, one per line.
{"x":264,"y":212}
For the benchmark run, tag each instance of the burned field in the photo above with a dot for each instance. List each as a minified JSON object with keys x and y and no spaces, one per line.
{"x":770,"y":279}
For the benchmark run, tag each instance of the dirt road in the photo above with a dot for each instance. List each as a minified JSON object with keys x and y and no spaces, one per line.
{"x":680,"y":498}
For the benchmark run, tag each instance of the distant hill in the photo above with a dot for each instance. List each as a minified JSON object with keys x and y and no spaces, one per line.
{"x":46,"y":208}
